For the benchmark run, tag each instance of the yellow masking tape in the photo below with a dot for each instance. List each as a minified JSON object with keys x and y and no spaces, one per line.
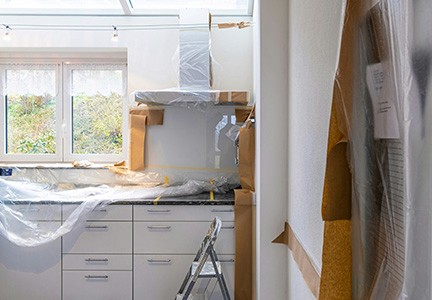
{"x":156,"y":200}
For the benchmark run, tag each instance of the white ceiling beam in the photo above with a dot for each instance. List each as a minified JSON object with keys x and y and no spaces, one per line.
{"x":126,"y":6}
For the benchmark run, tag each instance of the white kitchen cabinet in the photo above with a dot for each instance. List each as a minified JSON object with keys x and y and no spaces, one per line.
{"x":97,"y":285}
{"x":179,"y":237}
{"x":97,"y":256}
{"x":166,"y":239}
{"x":30,"y":273}
{"x":159,"y":277}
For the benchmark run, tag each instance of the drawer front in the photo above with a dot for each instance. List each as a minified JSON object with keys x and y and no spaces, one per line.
{"x":180,"y":237}
{"x":97,"y":262}
{"x":39,"y":212}
{"x":100,"y":237}
{"x":183,"y":213}
{"x":97,"y":285}
{"x":107,"y":213}
{"x":159,"y":277}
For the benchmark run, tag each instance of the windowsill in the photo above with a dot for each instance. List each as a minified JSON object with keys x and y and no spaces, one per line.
{"x":53,"y":166}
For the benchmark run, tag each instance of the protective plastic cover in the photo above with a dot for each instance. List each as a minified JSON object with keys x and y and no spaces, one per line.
{"x":385,"y":91}
{"x":25,"y":202}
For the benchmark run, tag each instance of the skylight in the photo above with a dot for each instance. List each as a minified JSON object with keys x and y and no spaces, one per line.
{"x":122,"y":7}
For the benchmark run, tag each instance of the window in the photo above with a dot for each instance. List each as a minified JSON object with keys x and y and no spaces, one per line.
{"x":59,"y":112}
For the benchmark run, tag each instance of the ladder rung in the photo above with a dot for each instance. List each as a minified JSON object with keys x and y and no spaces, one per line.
{"x":208,"y":270}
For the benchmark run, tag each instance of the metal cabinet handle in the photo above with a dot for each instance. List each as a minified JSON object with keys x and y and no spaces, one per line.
{"x":163,"y":261}
{"x":227,"y":227}
{"x":154,"y":227}
{"x":158,"y":210}
{"x":96,"y":227}
{"x":96,"y":277}
{"x":96,"y":259}
{"x":222,"y":210}
{"x":100,"y":210}
{"x":30,"y":209}
{"x":226,"y":260}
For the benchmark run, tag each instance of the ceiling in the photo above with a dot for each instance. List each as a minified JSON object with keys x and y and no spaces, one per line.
{"x":121,"y":7}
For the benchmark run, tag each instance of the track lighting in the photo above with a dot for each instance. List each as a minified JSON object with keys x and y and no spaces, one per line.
{"x":115,"y":34}
{"x":7,"y":36}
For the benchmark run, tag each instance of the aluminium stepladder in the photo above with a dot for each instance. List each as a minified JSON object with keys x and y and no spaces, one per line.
{"x":201,"y":268}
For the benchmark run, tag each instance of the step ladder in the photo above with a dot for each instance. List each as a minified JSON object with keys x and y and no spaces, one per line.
{"x":201,"y":268}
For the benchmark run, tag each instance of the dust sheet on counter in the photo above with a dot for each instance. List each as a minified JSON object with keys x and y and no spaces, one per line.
{"x":23,"y":204}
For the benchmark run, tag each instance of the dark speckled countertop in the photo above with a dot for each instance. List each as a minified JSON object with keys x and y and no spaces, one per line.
{"x":201,"y":199}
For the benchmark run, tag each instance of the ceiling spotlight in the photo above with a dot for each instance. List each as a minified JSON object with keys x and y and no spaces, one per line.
{"x":7,"y":36}
{"x":115,"y":34}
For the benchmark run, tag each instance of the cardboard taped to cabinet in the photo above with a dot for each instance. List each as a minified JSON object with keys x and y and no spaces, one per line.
{"x":247,"y":154}
{"x":244,"y":204}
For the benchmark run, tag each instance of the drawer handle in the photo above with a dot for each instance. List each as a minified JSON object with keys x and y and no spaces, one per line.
{"x":96,"y":259}
{"x":101,"y":210}
{"x":222,"y":210}
{"x":96,"y":227}
{"x":159,"y":227}
{"x":226,"y":260}
{"x":160,"y":261}
{"x":96,"y":277}
{"x":158,"y":210}
{"x":31,"y":209}
{"x":227,"y":227}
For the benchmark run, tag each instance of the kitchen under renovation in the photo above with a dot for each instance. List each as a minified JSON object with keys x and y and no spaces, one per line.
{"x":215,"y":150}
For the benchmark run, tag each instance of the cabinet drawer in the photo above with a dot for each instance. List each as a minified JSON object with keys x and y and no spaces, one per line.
{"x":159,"y":280}
{"x":97,"y":262}
{"x":39,"y":212}
{"x":97,"y":285}
{"x":183,"y":213}
{"x":107,"y":213}
{"x":179,"y":237}
{"x":159,"y":277}
{"x":100,"y":237}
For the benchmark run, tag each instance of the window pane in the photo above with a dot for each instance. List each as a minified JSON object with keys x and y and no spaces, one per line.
{"x":97,"y":111}
{"x":31,"y":111}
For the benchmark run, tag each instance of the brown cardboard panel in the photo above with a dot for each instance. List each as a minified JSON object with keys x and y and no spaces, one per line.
{"x":244,"y":244}
{"x":137,"y":142}
{"x":247,"y":157}
{"x":336,"y":261}
{"x":336,"y":203}
{"x":234,"y":97}
{"x":302,"y":259}
{"x":242,"y":114}
{"x":155,"y":116}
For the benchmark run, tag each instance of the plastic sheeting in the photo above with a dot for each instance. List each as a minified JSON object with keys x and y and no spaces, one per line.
{"x":23,"y":204}
{"x":385,"y":88}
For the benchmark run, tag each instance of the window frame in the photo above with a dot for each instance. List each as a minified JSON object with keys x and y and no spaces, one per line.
{"x":63,"y":125}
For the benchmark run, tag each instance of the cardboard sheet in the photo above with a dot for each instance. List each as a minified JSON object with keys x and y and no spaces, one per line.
{"x":336,"y":261}
{"x":137,"y":142}
{"x":234,"y":97}
{"x":244,"y":244}
{"x":242,"y":114}
{"x":155,"y":116}
{"x":302,"y":259}
{"x":247,"y":154}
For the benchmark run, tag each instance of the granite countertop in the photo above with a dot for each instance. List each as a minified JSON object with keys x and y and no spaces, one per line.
{"x":201,"y":199}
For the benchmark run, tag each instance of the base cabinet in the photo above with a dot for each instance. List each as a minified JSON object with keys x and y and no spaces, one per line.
{"x":30,"y":273}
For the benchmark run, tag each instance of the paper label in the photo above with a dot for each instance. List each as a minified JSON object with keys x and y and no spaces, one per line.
{"x":382,"y":93}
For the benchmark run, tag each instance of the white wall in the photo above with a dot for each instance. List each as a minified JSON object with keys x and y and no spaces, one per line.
{"x":271,"y":77}
{"x":313,"y":51}
{"x":150,"y":53}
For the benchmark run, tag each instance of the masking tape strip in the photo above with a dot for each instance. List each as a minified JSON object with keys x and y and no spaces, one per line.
{"x":155,"y":202}
{"x":304,"y":262}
